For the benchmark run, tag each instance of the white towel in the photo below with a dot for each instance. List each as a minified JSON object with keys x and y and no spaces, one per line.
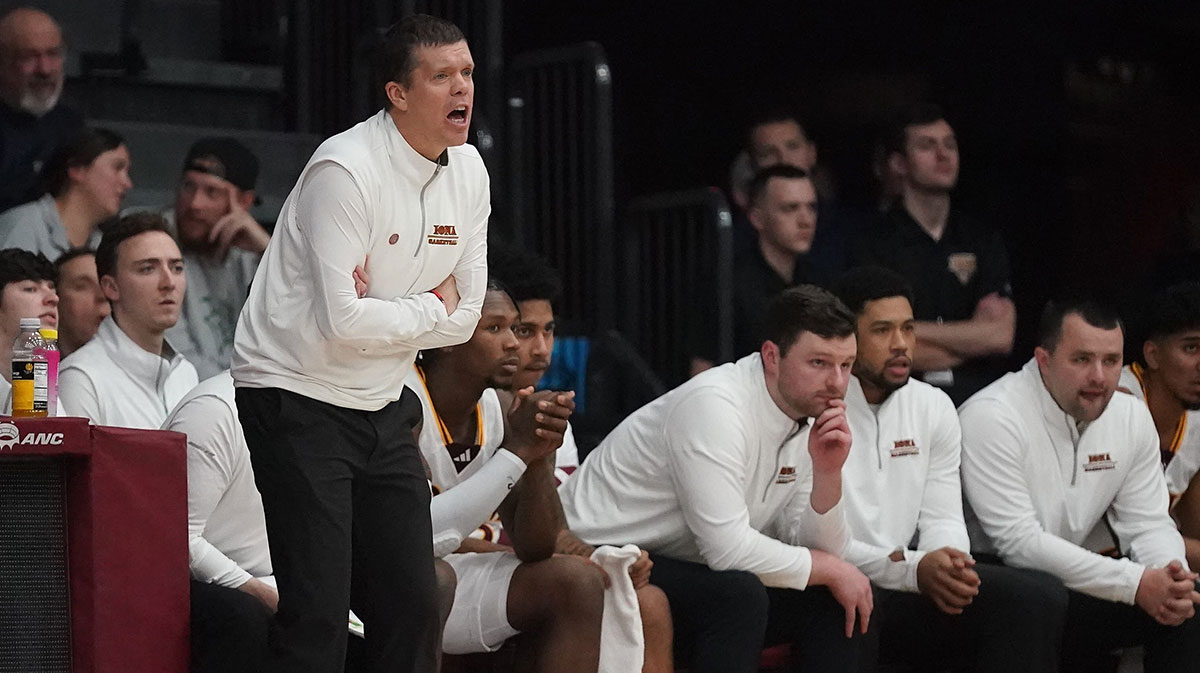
{"x":622,"y":648}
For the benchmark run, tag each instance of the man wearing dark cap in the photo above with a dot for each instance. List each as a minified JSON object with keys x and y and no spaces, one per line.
{"x":221,"y":245}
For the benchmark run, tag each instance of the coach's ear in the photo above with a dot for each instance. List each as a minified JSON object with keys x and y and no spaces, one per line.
{"x":770,"y":357}
{"x":397,"y":95}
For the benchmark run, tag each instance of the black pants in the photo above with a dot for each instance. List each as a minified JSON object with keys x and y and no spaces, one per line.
{"x":230,"y":630}
{"x":1096,"y":627}
{"x":723,"y":618}
{"x":345,"y":495}
{"x":1014,"y":624}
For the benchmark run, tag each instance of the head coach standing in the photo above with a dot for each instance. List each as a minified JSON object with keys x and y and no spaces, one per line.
{"x":320,"y":371}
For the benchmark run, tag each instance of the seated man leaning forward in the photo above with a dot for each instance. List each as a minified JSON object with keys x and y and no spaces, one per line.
{"x":556,"y":601}
{"x":934,"y":603}
{"x":128,"y":375}
{"x":233,"y":592}
{"x":1050,"y":451}
{"x":732,"y":481}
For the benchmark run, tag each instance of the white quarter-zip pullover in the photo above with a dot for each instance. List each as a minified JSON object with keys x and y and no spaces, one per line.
{"x":1038,"y":485}
{"x":712,"y":472}
{"x":113,"y":381}
{"x":365,"y":197}
{"x":901,"y":480}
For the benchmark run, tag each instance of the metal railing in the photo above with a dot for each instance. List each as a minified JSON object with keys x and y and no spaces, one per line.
{"x":677,"y":277}
{"x":560,"y":173}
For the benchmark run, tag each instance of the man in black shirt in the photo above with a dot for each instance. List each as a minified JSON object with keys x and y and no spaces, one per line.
{"x":958,"y":267}
{"x":783,"y":213}
{"x":33,"y":123}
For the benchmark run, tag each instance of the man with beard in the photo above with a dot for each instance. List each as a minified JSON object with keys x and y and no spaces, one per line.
{"x":222,"y":244}
{"x":1167,"y":379}
{"x":900,"y":483}
{"x":32,"y":121}
{"x":1050,"y":451}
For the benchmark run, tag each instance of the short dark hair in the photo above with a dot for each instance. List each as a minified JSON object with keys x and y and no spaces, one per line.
{"x":758,"y":184}
{"x":1093,"y":312}
{"x":895,"y":137}
{"x":1173,"y":310}
{"x":81,"y":150}
{"x":525,"y":274}
{"x":72,"y":254}
{"x":806,"y":308}
{"x":124,"y":229}
{"x":397,"y":56}
{"x":773,"y":115}
{"x":17,"y":265}
{"x":862,"y":284}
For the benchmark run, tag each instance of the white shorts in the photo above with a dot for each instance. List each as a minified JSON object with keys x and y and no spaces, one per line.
{"x":479,"y":619}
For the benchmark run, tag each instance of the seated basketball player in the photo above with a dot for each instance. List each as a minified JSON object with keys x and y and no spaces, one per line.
{"x":555,"y":601}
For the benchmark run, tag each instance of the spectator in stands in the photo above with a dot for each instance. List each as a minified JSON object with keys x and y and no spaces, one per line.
{"x":32,"y":121}
{"x":1167,"y":379}
{"x":233,"y":593}
{"x":935,"y":607}
{"x":222,"y":244}
{"x":26,"y":291}
{"x":1051,"y":451}
{"x":779,"y":137}
{"x":503,"y":591}
{"x":714,"y":480}
{"x":129,"y":375}
{"x":82,"y":305}
{"x":535,"y":286}
{"x":85,"y":182}
{"x":957,"y":267}
{"x":783,"y":212}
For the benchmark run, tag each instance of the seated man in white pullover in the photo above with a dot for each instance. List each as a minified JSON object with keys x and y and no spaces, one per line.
{"x":732,"y":481}
{"x":1050,"y":451}
{"x":128,"y":375}
{"x":233,"y":593}
{"x":933,"y":604}
{"x":555,"y":601}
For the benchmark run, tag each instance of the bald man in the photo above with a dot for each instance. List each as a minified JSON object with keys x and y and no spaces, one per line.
{"x":32,"y":121}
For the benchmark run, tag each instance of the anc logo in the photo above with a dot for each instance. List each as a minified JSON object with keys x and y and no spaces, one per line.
{"x":10,"y":435}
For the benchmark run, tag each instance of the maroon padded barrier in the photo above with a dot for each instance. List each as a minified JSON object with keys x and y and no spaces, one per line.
{"x":126,"y":510}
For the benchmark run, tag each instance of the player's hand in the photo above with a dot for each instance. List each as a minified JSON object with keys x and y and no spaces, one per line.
{"x":947,"y":576}
{"x":639,"y":572}
{"x":362,"y":281}
{"x":829,"y":439}
{"x":850,"y":588}
{"x":1168,"y":594}
{"x":237,"y":228}
{"x":535,"y":423}
{"x":262,"y":591}
{"x":448,"y":289}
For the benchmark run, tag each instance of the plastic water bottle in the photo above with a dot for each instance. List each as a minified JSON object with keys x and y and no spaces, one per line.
{"x":49,"y":353}
{"x":28,"y":370}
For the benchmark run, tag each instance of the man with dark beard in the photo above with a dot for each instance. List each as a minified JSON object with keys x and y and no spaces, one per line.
{"x":900,"y":483}
{"x":1167,"y":378}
